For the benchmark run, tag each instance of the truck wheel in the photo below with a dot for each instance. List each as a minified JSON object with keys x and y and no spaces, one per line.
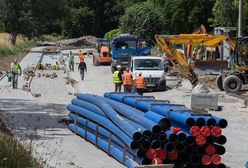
{"x":219,"y":83}
{"x":232,"y":84}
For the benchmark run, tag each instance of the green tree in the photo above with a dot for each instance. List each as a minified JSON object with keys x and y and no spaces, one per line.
{"x":82,"y":22}
{"x":17,"y":18}
{"x":225,"y":13}
{"x":142,"y":19}
{"x":109,"y":35}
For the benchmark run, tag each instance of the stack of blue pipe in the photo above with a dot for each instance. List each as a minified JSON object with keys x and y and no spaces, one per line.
{"x":189,"y":150}
{"x":117,"y":128}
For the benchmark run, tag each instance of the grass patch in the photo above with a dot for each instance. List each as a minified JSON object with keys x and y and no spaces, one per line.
{"x":13,"y":154}
{"x":7,"y":49}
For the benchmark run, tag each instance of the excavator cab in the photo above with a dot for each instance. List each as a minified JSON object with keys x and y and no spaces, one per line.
{"x":241,"y":53}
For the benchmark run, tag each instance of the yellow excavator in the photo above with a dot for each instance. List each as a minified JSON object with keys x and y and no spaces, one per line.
{"x":231,"y":82}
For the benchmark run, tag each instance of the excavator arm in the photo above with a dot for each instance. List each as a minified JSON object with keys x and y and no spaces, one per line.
{"x":166,"y":42}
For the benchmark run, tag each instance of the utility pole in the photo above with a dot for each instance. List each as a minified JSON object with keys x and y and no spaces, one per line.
{"x":240,"y":18}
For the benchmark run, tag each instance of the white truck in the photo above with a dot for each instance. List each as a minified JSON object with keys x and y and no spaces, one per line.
{"x":152,"y":70}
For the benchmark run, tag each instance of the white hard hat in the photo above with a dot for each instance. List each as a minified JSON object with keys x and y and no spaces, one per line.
{"x":118,"y":66}
{"x":140,"y":73}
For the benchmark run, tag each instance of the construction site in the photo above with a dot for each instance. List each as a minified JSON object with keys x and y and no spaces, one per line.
{"x":213,"y":133}
{"x":172,"y":101}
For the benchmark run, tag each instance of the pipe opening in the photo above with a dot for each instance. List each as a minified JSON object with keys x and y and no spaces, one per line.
{"x":166,"y":161}
{"x":190,"y":122}
{"x":221,"y":150}
{"x":200,"y":166}
{"x":161,"y":153}
{"x":180,"y":147}
{"x":146,"y":161}
{"x":134,"y":145}
{"x":141,"y":153}
{"x":210,"y":140}
{"x":205,"y":131}
{"x":195,"y":159}
{"x":211,"y":122}
{"x":162,"y":137}
{"x":222,"y":123}
{"x":190,"y":140}
{"x":195,"y":130}
{"x":169,"y":147}
{"x":156,"y":129}
{"x":156,"y":144}
{"x":151,"y":153}
{"x":146,"y":145}
{"x":200,"y":122}
{"x":221,"y":140}
{"x":221,"y":165}
{"x":200,"y":150}
{"x":181,"y":137}
{"x":165,"y":124}
{"x":200,"y":140}
{"x":147,"y":134}
{"x":189,"y":150}
{"x":172,"y":155}
{"x":137,"y":136}
{"x":189,"y":165}
{"x":216,"y":159}
{"x":172,"y":137}
{"x":206,"y":160}
{"x":210,"y":150}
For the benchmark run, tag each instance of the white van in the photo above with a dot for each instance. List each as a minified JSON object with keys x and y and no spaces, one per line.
{"x":152,"y":70}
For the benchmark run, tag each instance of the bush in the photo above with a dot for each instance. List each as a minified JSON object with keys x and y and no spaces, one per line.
{"x":109,"y":35}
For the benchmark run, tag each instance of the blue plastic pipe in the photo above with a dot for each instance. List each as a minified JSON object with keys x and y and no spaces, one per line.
{"x":172,"y":137}
{"x":106,"y":122}
{"x":115,"y":152}
{"x":132,"y":101}
{"x":222,"y":123}
{"x":88,"y":106}
{"x":112,"y":115}
{"x":119,"y":96}
{"x":134,"y":115}
{"x":91,"y":107}
{"x":93,"y":127}
{"x":163,"y":122}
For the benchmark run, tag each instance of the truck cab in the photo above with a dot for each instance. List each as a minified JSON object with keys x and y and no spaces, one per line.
{"x":152,"y":70}
{"x":125,"y":46}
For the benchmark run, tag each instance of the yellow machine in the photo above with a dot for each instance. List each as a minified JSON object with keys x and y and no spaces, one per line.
{"x":229,"y":82}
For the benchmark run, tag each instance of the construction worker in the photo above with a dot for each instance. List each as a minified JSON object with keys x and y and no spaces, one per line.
{"x":56,"y":66}
{"x":127,"y":81}
{"x":139,"y":83}
{"x":16,"y":70}
{"x":117,"y":79}
{"x":82,"y":68}
{"x":81,"y":56}
{"x":71,"y":60}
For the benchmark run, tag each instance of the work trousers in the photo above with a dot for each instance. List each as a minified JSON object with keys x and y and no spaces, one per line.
{"x":140,"y":91}
{"x":82,"y":74}
{"x":71,"y":65}
{"x":117,"y":87}
{"x":127,"y":88}
{"x":15,"y":80}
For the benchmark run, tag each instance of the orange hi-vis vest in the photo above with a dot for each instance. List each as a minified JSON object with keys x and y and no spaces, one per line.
{"x":140,"y":82}
{"x":81,"y":56}
{"x":127,"y":78}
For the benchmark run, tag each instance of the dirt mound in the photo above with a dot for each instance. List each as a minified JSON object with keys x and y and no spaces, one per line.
{"x":88,"y":41}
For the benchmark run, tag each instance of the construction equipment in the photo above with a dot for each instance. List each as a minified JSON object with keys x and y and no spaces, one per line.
{"x":123,"y":47}
{"x":102,"y":57}
{"x":231,"y":82}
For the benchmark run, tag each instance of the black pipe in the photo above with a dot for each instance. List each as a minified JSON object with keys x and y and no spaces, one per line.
{"x":209,"y":140}
{"x":220,"y":149}
{"x":156,"y":144}
{"x":146,"y":144}
{"x":190,"y":140}
{"x":200,"y":150}
{"x":200,"y":121}
{"x":220,"y":140}
{"x":162,"y":138}
{"x":147,"y":134}
{"x":221,"y":165}
{"x":181,"y":136}
{"x":180,"y":147}
{"x":169,"y":147}
{"x":195,"y":158}
{"x":141,"y":153}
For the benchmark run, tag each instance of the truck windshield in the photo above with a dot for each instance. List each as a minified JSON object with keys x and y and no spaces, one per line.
{"x":148,"y":64}
{"x":125,"y":45}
